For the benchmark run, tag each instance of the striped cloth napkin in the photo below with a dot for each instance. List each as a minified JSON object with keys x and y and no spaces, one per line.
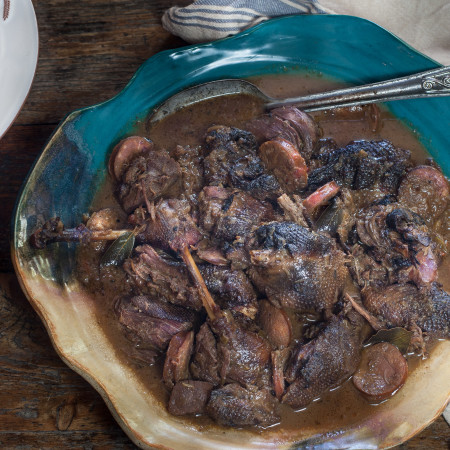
{"x":424,"y":24}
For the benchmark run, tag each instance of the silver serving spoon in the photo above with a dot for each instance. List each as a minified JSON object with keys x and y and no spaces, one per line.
{"x":432,"y":83}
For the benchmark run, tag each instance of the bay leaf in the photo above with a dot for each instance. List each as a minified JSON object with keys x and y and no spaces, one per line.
{"x":119,"y":250}
{"x":400,"y":337}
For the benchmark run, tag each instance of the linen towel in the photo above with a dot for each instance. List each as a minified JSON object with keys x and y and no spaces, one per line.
{"x":425,"y":25}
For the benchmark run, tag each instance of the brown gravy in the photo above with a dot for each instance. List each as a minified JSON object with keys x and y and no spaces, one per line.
{"x":335,"y":409}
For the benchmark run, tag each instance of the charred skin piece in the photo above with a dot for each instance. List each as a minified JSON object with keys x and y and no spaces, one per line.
{"x":232,"y":162}
{"x":151,"y":323}
{"x":326,"y":361}
{"x":230,"y":213}
{"x":401,"y":242}
{"x":361,"y":165}
{"x":148,"y":178}
{"x":236,"y":406}
{"x":404,"y":305}
{"x":297,"y":268}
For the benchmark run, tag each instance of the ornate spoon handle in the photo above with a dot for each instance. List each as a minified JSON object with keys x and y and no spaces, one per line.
{"x":432,"y":83}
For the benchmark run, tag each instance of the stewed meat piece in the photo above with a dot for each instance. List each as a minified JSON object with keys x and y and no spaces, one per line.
{"x":158,"y":274}
{"x":205,"y":363}
{"x":190,"y":160}
{"x":189,"y":397}
{"x":401,"y":241}
{"x":236,"y":406}
{"x":151,"y":323}
{"x":404,"y":305}
{"x":327,"y":360}
{"x":232,"y":162}
{"x":297,"y":268}
{"x":168,"y":225}
{"x":148,"y":178}
{"x":244,"y":355}
{"x":361,"y":165}
{"x":230,"y":213}
{"x":424,"y":190}
{"x":231,"y":288}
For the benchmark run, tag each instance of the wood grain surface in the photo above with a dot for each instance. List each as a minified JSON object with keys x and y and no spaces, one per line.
{"x":88,"y":52}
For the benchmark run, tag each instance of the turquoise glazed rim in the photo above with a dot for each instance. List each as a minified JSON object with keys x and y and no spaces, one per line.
{"x":73,"y":165}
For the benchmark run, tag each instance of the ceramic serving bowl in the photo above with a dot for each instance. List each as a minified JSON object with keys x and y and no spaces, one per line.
{"x":72,"y":167}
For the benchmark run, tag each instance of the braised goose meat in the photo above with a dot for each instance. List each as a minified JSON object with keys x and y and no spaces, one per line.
{"x":143,"y":174}
{"x":233,"y":162}
{"x":297,"y":268}
{"x":159,"y":275}
{"x":326,"y":360}
{"x":246,"y":239}
{"x":401,"y":242}
{"x":404,"y":305}
{"x":361,"y":165}
{"x":151,"y":323}
{"x":236,"y":406}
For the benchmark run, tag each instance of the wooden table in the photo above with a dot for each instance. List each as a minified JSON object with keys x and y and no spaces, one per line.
{"x":88,"y":52}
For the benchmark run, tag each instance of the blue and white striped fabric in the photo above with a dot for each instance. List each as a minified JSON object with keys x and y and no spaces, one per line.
{"x":422,"y":24}
{"x":208,"y":20}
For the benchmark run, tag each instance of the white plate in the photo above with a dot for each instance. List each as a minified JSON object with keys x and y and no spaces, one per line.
{"x":19,"y":44}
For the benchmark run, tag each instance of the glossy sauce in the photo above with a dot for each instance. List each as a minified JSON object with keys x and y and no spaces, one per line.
{"x":335,"y":409}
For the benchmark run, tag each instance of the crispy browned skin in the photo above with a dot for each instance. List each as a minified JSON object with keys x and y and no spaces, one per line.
{"x":404,"y":305}
{"x":296,"y":268}
{"x":325,"y":361}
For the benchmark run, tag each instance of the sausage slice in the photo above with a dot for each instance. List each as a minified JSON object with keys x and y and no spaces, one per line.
{"x":382,"y":371}
{"x":283,"y":159}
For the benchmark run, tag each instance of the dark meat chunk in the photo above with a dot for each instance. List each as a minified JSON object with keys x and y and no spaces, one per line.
{"x":189,"y":397}
{"x":275,"y":323}
{"x":361,"y":165}
{"x":232,"y":289}
{"x":163,"y":276}
{"x":383,"y":371}
{"x":424,"y":190}
{"x":326,"y":361}
{"x":400,"y":240}
{"x":283,"y":159}
{"x":297,"y":268}
{"x":244,"y":355}
{"x":178,"y":355}
{"x":191,"y":163}
{"x":151,"y":323}
{"x":404,"y":305}
{"x":230,"y":213}
{"x":233,"y":162}
{"x":148,"y":178}
{"x":168,"y":225}
{"x":125,"y":151}
{"x":236,"y":406}
{"x":205,"y":363}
